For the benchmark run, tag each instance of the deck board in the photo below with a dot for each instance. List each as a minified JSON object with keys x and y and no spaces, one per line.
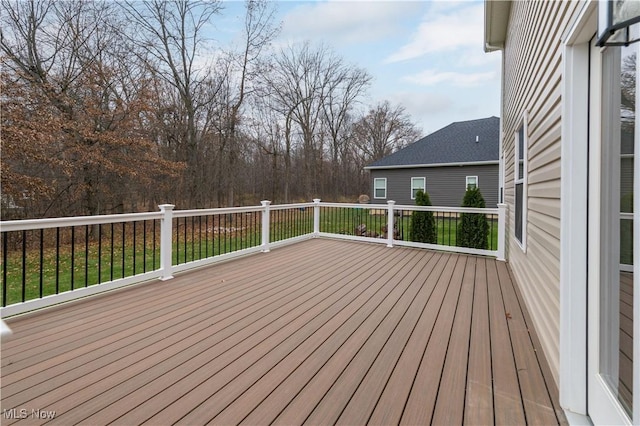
{"x":479,"y":390}
{"x":323,"y":331}
{"x":508,"y":406}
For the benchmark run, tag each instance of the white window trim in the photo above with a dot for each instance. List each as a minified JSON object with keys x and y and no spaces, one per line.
{"x":374,"y":188}
{"x":573,"y":211}
{"x":424,"y":185}
{"x":466,"y":186}
{"x":523,"y":180}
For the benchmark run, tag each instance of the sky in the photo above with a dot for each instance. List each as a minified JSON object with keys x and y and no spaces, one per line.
{"x":424,"y":55}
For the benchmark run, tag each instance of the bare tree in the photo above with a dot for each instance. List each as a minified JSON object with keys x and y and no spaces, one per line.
{"x":172,"y":33}
{"x":313,"y":89}
{"x":347,"y":85}
{"x":258,"y":32}
{"x":383,"y":130}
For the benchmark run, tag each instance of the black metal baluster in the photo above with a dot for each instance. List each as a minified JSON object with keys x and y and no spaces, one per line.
{"x":144,"y":246}
{"x":124,"y":247}
{"x":111,"y":262}
{"x":493,"y":241}
{"x":24,"y":264}
{"x":206,"y":236}
{"x":200,"y":237}
{"x":86,"y":255}
{"x":99,"y":253}
{"x":134,"y":248}
{"x":73,"y":254}
{"x":57,"y":260}
{"x":177,"y":241}
{"x":4,"y":268}
{"x":41,"y":259}
{"x":193,"y":250}
{"x":186,"y":230}
{"x":154,"y":244}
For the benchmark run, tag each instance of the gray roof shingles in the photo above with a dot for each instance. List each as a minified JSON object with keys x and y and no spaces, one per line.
{"x":455,"y":143}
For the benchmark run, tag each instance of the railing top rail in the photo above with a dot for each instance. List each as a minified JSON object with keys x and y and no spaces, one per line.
{"x":415,"y":208}
{"x":31,"y":224}
{"x":210,"y":212}
{"x":355,"y":205}
{"x":290,"y":206}
{"x":61,"y":222}
{"x":447,"y":209}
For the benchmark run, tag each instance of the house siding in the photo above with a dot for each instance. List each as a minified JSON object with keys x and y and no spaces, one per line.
{"x":446,"y":185}
{"x":532,"y":75}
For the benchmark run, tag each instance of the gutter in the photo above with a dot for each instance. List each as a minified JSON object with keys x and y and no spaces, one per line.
{"x":493,"y":47}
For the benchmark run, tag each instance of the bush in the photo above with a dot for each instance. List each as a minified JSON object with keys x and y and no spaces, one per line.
{"x":474,"y":228}
{"x":423,"y":224}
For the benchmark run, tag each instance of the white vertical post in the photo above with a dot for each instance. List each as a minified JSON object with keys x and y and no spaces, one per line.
{"x":390,"y":223}
{"x":266,"y":214}
{"x":166,"y":243}
{"x":502,"y":231}
{"x":316,"y":217}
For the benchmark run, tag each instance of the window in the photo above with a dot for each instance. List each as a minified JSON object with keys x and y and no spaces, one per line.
{"x":380,"y":188}
{"x":472,"y":182}
{"x":520,"y":180}
{"x":417,"y":184}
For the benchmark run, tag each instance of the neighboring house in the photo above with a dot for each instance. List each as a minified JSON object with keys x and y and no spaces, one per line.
{"x":444,"y":164}
{"x":568,"y":141}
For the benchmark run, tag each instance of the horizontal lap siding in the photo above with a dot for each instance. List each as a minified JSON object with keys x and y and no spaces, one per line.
{"x":446,"y":185}
{"x":532,"y":84}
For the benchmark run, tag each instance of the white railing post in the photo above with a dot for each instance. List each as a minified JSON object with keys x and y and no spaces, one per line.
{"x":502,"y":231}
{"x":390,"y":223}
{"x":266,"y":214}
{"x":166,"y":243}
{"x":316,"y":217}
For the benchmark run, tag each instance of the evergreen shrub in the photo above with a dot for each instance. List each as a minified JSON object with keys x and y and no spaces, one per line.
{"x":423,"y":224}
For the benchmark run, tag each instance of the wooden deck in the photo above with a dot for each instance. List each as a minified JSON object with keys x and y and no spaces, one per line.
{"x":319,"y":332}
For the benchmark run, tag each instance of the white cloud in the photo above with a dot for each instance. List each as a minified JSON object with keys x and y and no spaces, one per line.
{"x":444,"y":29}
{"x":457,"y":79}
{"x":347,"y":22}
{"x":427,"y":109}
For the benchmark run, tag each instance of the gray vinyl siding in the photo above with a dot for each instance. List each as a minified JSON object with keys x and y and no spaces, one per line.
{"x":532,"y":77}
{"x":445,"y":185}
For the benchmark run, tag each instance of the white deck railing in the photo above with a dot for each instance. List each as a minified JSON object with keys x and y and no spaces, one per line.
{"x":109,"y":255}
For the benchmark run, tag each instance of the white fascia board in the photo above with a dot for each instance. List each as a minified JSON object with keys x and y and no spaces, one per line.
{"x":496,"y":20}
{"x":421,"y":166}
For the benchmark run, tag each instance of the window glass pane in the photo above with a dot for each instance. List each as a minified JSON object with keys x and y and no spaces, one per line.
{"x":472,"y":182}
{"x":520,"y":169}
{"x":380,"y":188}
{"x":616,"y":263}
{"x":521,"y":143}
{"x":417,"y":184}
